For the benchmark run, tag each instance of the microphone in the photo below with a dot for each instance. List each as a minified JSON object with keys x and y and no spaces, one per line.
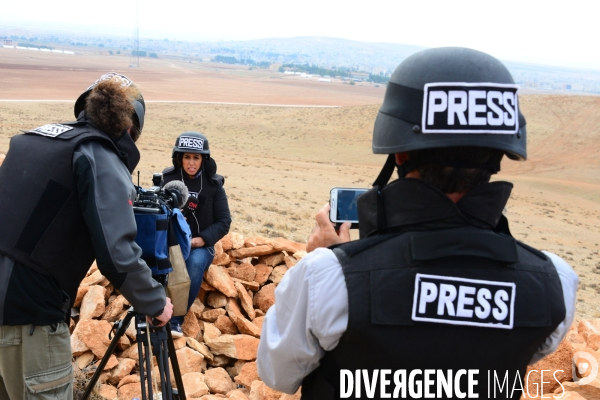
{"x":190,"y":206}
{"x":180,"y":189}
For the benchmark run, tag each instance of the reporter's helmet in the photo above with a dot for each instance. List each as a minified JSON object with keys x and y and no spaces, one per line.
{"x":450,"y":97}
{"x":190,"y":142}
{"x":138,"y":103}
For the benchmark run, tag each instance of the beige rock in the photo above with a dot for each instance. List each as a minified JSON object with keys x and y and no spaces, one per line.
{"x":290,"y":261}
{"x":129,"y":379}
{"x":265,"y":297}
{"x":253,"y":286}
{"x":95,"y":278}
{"x":260,"y":391}
{"x":220,"y":361}
{"x":211,"y":332}
{"x":272,"y":259}
{"x":78,"y":346}
{"x":257,"y":241}
{"x":81,"y":291}
{"x":200,"y":348}
{"x":262,"y":273}
{"x":236,"y":239}
{"x":123,"y":342}
{"x":295,"y":396}
{"x":213,"y":397}
{"x":180,"y":343}
{"x":566,"y":396}
{"x":236,"y":368}
{"x":123,"y":368}
{"x":561,"y":359}
{"x":130,"y":390}
{"x":245,"y":300}
{"x":190,"y":360}
{"x":108,"y":392}
{"x":278,"y":273}
{"x":281,"y":244}
{"x":131,"y":353}
{"x":241,"y":347}
{"x":258,"y":321}
{"x":94,"y":334}
{"x":110,"y":364}
{"x":216,"y":300}
{"x":259,"y":313}
{"x":194,"y":385}
{"x":222,"y":259}
{"x":84,"y":360}
{"x":589,"y":391}
{"x":237,"y":395}
{"x":299,"y":254}
{"x":252,"y":251}
{"x":114,"y":309}
{"x":92,"y":305}
{"x":190,"y":326}
{"x":205,"y":286}
{"x":245,"y":272}
{"x":213,"y":314}
{"x":218,"y":247}
{"x":226,"y":326}
{"x":217,"y":277}
{"x":197,"y":308}
{"x":590,"y":330}
{"x":218,"y":381}
{"x":248,"y":373}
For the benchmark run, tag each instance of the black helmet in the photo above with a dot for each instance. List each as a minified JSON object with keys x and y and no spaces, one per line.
{"x":190,"y":142}
{"x":449,"y":97}
{"x":138,"y":104}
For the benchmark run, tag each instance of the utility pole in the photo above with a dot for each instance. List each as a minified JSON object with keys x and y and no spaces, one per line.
{"x":134,"y":62}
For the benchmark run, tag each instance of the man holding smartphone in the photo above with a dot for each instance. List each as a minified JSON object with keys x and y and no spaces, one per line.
{"x":436,"y":298}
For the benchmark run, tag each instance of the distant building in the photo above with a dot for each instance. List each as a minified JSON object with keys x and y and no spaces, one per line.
{"x":8,"y":42}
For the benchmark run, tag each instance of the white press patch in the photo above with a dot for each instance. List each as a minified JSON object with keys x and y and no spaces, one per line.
{"x":190,"y":142}
{"x":450,"y":107}
{"x":51,"y":130}
{"x":125,"y":81}
{"x":462,"y":301}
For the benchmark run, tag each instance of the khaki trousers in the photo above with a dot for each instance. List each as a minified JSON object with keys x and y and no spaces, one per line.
{"x":35,"y":366}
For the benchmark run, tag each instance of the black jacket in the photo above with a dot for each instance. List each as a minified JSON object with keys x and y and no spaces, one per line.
{"x":212,"y":219}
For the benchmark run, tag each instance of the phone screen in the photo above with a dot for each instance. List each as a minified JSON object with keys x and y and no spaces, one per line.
{"x":346,"y":207}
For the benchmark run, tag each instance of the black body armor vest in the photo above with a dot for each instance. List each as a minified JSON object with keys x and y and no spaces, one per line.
{"x":42,"y":225}
{"x":444,"y":295}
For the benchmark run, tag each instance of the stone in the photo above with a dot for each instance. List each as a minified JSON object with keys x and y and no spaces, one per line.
{"x":281,"y":244}
{"x":260,"y":391}
{"x":199,"y":347}
{"x":216,"y":300}
{"x":197,"y":308}
{"x":245,"y":300}
{"x":590,"y":330}
{"x":81,"y":291}
{"x":290,"y":261}
{"x":218,"y":247}
{"x":190,"y":361}
{"x":217,"y":277}
{"x":220,"y":361}
{"x":247,"y":375}
{"x":94,"y":333}
{"x":211,"y":332}
{"x":552,"y":365}
{"x":222,"y":259}
{"x":95,"y":278}
{"x":206,"y":287}
{"x":213,"y":314}
{"x":114,"y":309}
{"x":589,"y":391}
{"x":123,"y":368}
{"x":298,"y":255}
{"x":233,"y":240}
{"x":237,"y":395}
{"x":265,"y":297}
{"x":129,"y":379}
{"x":278,"y":273}
{"x":262,"y":273}
{"x":130,"y":391}
{"x":108,"y":392}
{"x":110,"y":364}
{"x":179,"y":343}
{"x":92,"y":304}
{"x":236,"y":368}
{"x":257,"y":241}
{"x":131,"y":353}
{"x":254,"y":286}
{"x":245,"y":272}
{"x":258,"y":321}
{"x":85,"y":359}
{"x":190,"y":326}
{"x":241,"y":347}
{"x":295,"y":396}
{"x":226,"y":326}
{"x":272,"y":259}
{"x":218,"y":381}
{"x":194,"y":385}
{"x":259,"y":312}
{"x":78,"y":346}
{"x":252,"y":251}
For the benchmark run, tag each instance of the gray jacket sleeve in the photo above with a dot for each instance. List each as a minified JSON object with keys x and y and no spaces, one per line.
{"x":106,"y":196}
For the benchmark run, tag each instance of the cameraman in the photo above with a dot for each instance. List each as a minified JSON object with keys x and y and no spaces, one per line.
{"x":436,"y":284}
{"x":66,"y":198}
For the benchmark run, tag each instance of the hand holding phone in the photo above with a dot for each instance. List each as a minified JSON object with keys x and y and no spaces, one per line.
{"x":344,"y":207}
{"x":323,"y":234}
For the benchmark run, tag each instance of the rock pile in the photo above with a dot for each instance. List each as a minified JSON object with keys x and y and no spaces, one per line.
{"x":217,"y":355}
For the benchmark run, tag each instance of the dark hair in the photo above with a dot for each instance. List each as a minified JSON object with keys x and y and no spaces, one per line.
{"x":110,"y":108}
{"x":445,"y":172}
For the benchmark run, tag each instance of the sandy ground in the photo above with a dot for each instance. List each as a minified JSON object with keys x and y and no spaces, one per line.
{"x":281,"y":162}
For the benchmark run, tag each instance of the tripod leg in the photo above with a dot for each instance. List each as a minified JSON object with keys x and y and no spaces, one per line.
{"x":121,"y":327}
{"x":180,"y":395}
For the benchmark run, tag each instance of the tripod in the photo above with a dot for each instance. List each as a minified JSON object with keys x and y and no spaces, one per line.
{"x":162,"y":347}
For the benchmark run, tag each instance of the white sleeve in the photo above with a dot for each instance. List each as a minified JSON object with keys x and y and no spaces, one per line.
{"x":569,"y":281}
{"x":309,"y":316}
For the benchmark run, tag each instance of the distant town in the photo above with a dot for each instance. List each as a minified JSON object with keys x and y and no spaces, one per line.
{"x":327,"y":58}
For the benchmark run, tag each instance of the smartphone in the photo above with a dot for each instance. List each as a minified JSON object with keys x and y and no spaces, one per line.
{"x":343,"y":205}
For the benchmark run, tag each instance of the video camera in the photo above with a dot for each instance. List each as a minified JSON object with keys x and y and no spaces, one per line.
{"x":149,"y":201}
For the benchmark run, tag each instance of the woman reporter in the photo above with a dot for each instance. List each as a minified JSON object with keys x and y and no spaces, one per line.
{"x":193,"y":165}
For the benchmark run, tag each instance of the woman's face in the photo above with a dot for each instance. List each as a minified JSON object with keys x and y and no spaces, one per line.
{"x":191,"y":163}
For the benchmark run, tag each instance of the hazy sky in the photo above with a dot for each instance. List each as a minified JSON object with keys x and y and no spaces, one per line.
{"x":545,"y":32}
